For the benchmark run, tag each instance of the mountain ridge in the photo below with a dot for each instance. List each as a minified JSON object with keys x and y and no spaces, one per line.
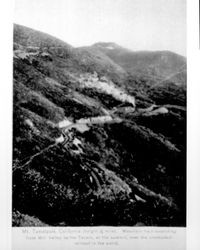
{"x":119,"y":62}
{"x":115,"y":45}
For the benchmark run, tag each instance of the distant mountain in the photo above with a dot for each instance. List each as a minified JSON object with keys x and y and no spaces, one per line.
{"x":157,"y":63}
{"x":93,"y":143}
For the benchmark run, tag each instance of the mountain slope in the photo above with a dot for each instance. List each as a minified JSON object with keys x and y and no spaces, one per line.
{"x":92,"y":144}
{"x":157,"y":63}
{"x":77,"y":60}
{"x":29,"y":37}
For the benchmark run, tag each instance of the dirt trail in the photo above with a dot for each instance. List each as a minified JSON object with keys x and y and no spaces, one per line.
{"x":82,"y":125}
{"x":64,"y":130}
{"x":33,"y":156}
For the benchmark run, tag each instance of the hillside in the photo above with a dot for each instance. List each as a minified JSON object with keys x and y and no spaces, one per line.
{"x":94,"y":144}
{"x":156,"y":63}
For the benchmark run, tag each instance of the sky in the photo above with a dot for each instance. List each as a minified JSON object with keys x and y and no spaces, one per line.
{"x":134,"y":24}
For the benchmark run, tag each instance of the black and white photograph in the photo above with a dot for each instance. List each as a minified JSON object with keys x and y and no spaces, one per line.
{"x":99,"y":113}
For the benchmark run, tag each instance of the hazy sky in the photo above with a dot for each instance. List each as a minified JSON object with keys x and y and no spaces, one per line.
{"x":135,"y":24}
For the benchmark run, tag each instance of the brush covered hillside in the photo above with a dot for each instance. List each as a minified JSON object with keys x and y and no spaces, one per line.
{"x":93,"y":142}
{"x":160,"y":64}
